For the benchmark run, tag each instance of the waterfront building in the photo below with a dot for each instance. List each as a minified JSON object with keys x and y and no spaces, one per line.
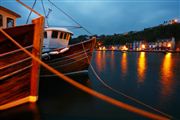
{"x":7,"y":18}
{"x":166,"y":44}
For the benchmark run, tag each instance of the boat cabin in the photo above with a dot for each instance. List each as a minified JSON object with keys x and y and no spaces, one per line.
{"x":56,"y":38}
{"x":7,"y":18}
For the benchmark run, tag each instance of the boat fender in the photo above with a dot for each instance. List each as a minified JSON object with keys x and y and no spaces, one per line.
{"x":46,"y":56}
{"x":54,"y":53}
{"x":64,"y":50}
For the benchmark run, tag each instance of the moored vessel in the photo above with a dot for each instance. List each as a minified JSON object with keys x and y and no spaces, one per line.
{"x":19,"y":76}
{"x":68,"y":59}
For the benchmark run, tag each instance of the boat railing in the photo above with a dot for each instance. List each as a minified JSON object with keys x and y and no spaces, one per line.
{"x":15,"y":51}
{"x":15,"y":63}
{"x":70,"y":62}
{"x":14,"y":72}
{"x":70,"y":57}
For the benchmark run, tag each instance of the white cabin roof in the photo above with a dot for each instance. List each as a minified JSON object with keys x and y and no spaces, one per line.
{"x":58,"y":29}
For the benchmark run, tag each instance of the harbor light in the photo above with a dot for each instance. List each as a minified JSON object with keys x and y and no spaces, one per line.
{"x":104,"y":48}
{"x":175,"y":20}
{"x":143,"y":46}
{"x":169,"y":45}
{"x":100,"y":48}
{"x":113,"y":48}
{"x":124,"y":48}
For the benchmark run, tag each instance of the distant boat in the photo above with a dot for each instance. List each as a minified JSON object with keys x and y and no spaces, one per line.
{"x":19,"y":76}
{"x":68,"y":59}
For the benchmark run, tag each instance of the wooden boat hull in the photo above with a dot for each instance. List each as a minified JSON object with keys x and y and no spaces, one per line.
{"x":18,"y":85}
{"x":75,"y":60}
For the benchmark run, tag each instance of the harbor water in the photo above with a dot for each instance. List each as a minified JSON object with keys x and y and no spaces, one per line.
{"x":152,"y":78}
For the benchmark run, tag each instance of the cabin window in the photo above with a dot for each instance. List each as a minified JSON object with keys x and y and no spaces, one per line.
{"x":67,"y":37}
{"x":54,"y":34}
{"x":1,"y":20}
{"x":65,"y":34}
{"x":61,"y":35}
{"x":10,"y":22}
{"x":45,"y":34}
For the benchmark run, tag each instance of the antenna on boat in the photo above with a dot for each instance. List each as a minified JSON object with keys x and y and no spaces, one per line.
{"x":49,"y":11}
{"x":28,"y":8}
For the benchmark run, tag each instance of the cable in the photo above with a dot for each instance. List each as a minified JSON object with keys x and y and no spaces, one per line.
{"x":44,"y":10}
{"x":70,"y":17}
{"x":31,"y":11}
{"x":106,"y":85}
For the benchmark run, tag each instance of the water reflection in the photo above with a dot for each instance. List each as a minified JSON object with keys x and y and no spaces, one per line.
{"x":141,"y":67}
{"x":112,"y":60}
{"x":124,"y":64}
{"x":100,"y":60}
{"x":166,"y":75}
{"x":28,"y":111}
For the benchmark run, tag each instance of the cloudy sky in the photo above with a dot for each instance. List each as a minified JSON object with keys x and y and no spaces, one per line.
{"x":103,"y":16}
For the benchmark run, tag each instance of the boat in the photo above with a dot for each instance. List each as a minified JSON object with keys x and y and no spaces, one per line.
{"x":67,"y":59}
{"x":18,"y":83}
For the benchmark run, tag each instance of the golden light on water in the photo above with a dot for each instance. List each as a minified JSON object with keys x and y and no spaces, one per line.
{"x":166,"y":75}
{"x":141,"y":67}
{"x":112,"y":60}
{"x":98,"y":60}
{"x":124,"y":63}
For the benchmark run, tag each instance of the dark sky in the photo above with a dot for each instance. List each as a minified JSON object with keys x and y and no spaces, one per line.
{"x":103,"y":16}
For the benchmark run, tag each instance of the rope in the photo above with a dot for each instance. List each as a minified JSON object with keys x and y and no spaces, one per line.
{"x":44,"y":10}
{"x":70,"y":17}
{"x":89,"y":90}
{"x":31,"y":11}
{"x":123,"y":94}
{"x":106,"y":85}
{"x":70,"y":63}
{"x":68,"y":59}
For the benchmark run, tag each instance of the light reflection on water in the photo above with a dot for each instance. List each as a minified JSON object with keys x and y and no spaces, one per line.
{"x":28,"y":111}
{"x":98,"y":61}
{"x":124,"y":64}
{"x":141,"y":67}
{"x":166,"y":75}
{"x":158,"y":72}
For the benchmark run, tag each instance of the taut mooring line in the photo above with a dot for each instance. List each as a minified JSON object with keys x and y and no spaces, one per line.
{"x":89,"y":90}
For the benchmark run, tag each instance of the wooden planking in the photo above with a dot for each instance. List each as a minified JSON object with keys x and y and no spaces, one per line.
{"x":15,"y":87}
{"x":15,"y":67}
{"x":19,"y":86}
{"x":23,"y":35}
{"x":67,"y":60}
{"x":74,"y":62}
{"x":9,"y":59}
{"x":75,"y":66}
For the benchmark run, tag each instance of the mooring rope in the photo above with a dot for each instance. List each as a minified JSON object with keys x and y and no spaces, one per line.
{"x":98,"y":77}
{"x":89,"y":90}
{"x":44,"y":10}
{"x":123,"y":94}
{"x":31,"y":11}
{"x":70,"y":17}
